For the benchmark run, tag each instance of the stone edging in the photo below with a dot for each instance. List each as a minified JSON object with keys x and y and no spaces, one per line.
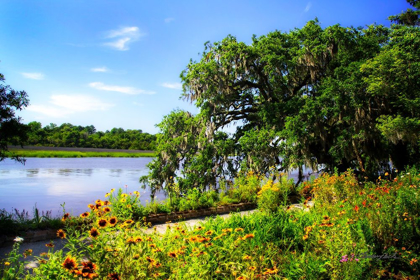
{"x":184,"y":215}
{"x":48,"y":234}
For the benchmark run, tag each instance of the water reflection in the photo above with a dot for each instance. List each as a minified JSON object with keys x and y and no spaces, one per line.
{"x":49,"y":182}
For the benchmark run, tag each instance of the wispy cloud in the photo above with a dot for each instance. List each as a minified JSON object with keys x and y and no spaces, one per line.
{"x":168,"y":20}
{"x":308,"y":7}
{"x":121,"y":38}
{"x":126,"y":90}
{"x":99,"y":69}
{"x":62,"y":105}
{"x":33,"y":76}
{"x":172,"y":85}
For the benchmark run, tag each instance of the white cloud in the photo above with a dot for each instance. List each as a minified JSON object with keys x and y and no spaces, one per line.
{"x":99,"y":69}
{"x":172,"y":85}
{"x":123,"y":37}
{"x":63,"y":105}
{"x":126,"y":90}
{"x":33,"y":76}
{"x":168,"y":20}
{"x":308,"y":7}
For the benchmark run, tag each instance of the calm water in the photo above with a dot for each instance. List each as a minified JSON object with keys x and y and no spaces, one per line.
{"x":48,"y":182}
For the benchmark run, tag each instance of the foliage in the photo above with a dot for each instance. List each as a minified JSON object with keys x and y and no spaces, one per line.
{"x":68,"y":135}
{"x":12,"y":131}
{"x":409,"y":17}
{"x":326,"y":98}
{"x":17,"y":222}
{"x":365,"y":231}
{"x":75,"y":154}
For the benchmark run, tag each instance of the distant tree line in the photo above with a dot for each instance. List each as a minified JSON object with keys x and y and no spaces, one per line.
{"x":68,"y":135}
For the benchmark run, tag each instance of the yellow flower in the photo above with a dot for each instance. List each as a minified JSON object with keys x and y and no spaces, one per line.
{"x":305,"y":237}
{"x":247,"y":258}
{"x":112,"y":190}
{"x":122,"y":200}
{"x":239,"y":229}
{"x":6,"y":263}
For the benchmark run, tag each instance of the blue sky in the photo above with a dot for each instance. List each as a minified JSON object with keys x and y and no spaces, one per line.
{"x":117,"y":63}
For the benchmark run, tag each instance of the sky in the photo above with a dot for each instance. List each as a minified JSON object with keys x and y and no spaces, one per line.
{"x":118,"y":63}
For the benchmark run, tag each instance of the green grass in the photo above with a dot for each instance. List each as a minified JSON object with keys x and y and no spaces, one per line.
{"x":75,"y":154}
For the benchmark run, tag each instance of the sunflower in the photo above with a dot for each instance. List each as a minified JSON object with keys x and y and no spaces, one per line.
{"x":94,"y":233}
{"x":61,"y":234}
{"x":69,"y":263}
{"x":102,"y":223}
{"x":113,"y":221}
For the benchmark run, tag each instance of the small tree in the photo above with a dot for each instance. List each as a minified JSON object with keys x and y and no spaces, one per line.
{"x":12,"y":131}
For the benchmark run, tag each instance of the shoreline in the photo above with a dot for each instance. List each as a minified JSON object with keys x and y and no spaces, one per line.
{"x":72,"y":152}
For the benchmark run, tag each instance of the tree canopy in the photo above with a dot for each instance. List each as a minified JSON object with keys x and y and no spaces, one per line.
{"x":333,"y":98}
{"x":12,"y":131}
{"x":68,"y":135}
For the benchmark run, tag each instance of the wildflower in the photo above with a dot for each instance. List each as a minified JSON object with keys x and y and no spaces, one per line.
{"x":172,"y":254}
{"x":201,"y":253}
{"x":413,"y":261}
{"x":248,"y":236}
{"x":107,"y":194}
{"x":150,"y":260}
{"x":42,"y":261}
{"x":102,"y":223}
{"x":107,"y":209}
{"x":247,"y":258}
{"x":305,"y":237}
{"x":131,"y":240}
{"x":138,"y":239}
{"x":356,"y":208}
{"x":6,"y":263}
{"x":129,"y":222}
{"x":241,"y":278}
{"x":136,"y":193}
{"x":239,"y":229}
{"x":157,"y":274}
{"x":61,"y":234}
{"x":210,"y":232}
{"x":123,"y":200}
{"x":157,"y":264}
{"x":69,"y":263}
{"x":43,"y":254}
{"x":88,"y":270}
{"x":226,"y":230}
{"x":157,"y":250}
{"x":18,"y":239}
{"x":114,"y":276}
{"x":386,"y":174}
{"x":91,"y":206}
{"x":94,"y":233}
{"x":321,"y":241}
{"x":84,"y":215}
{"x":252,"y":268}
{"x":113,"y":221}
{"x":50,"y":245}
{"x":27,"y":252}
{"x":65,"y":217}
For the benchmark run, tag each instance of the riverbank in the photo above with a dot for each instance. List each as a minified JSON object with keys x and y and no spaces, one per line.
{"x":70,"y":152}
